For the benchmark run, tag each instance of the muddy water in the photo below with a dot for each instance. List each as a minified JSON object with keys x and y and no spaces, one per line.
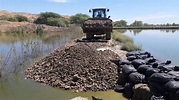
{"x":14,"y":86}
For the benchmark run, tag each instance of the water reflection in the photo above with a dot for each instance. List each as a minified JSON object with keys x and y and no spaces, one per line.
{"x":18,"y":49}
{"x":168,"y":31}
{"x":137,"y":31}
{"x":163,"y":46}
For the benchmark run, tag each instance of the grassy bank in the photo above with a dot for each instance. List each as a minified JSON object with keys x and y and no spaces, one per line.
{"x":127,"y":43}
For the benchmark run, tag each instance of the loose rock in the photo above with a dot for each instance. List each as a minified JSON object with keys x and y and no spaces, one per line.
{"x":78,"y":67}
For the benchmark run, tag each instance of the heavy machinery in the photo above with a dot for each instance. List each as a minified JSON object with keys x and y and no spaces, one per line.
{"x":99,"y":24}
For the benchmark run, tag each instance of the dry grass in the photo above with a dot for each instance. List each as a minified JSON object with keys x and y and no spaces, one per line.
{"x":30,"y":16}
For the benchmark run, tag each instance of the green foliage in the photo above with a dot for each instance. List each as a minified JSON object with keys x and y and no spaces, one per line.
{"x":17,"y":18}
{"x":44,"y":17}
{"x":127,"y":43}
{"x":21,"y":18}
{"x":128,"y":46}
{"x":12,"y":19}
{"x":122,"y":38}
{"x":121,"y":23}
{"x":78,"y":18}
{"x":52,"y":19}
{"x":50,"y":15}
{"x":137,"y":23}
{"x":39,"y":30}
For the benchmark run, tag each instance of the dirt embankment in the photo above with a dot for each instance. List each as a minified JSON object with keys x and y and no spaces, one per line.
{"x":79,"y":66}
{"x":12,"y":27}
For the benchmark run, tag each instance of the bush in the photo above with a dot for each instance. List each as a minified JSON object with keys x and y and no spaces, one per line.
{"x":121,"y":23}
{"x":12,"y":19}
{"x":52,"y":19}
{"x":39,"y":30}
{"x":17,"y":18}
{"x":78,"y":18}
{"x":7,"y":18}
{"x":21,"y":18}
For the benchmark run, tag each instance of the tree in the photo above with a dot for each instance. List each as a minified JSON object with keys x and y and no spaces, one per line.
{"x":121,"y":23}
{"x":137,"y":23}
{"x":78,"y":18}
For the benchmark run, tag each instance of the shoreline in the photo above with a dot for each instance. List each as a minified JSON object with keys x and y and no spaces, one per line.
{"x":149,"y":27}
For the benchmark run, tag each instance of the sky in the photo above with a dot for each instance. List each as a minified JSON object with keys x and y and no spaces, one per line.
{"x":148,"y":11}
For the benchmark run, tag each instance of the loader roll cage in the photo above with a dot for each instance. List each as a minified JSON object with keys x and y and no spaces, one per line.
{"x":99,"y":12}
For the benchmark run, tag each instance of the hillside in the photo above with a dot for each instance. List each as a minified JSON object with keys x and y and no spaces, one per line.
{"x":30,"y":16}
{"x":8,"y":26}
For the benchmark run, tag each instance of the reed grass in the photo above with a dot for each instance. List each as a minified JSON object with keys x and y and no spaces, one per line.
{"x":126,"y":42}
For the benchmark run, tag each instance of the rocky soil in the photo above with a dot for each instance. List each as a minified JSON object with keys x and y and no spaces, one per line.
{"x":79,"y":66}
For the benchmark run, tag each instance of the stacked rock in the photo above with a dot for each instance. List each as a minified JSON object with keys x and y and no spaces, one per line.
{"x":161,"y":76}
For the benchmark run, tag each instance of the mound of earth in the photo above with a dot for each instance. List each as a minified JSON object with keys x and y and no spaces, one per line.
{"x":78,"y":67}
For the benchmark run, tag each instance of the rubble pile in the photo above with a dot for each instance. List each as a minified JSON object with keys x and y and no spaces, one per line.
{"x":77,"y":67}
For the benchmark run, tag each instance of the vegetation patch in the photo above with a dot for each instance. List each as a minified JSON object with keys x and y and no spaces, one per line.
{"x":127,"y":43}
{"x":17,"y":18}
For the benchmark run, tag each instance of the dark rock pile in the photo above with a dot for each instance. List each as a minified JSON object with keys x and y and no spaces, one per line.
{"x":161,"y":77}
{"x":78,"y":67}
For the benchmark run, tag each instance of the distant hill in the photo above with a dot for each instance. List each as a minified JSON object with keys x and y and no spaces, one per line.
{"x":28,"y":26}
{"x":30,"y":16}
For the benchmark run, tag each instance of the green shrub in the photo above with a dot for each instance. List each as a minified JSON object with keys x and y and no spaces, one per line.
{"x":7,"y":18}
{"x":55,"y":22}
{"x":17,"y":18}
{"x":21,"y":18}
{"x":39,"y":31}
{"x":12,"y":19}
{"x":52,"y":19}
{"x":78,"y":18}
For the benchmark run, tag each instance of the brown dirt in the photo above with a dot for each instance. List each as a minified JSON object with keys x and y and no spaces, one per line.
{"x":78,"y":67}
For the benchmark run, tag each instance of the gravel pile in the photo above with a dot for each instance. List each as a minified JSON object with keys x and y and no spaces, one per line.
{"x":78,"y":67}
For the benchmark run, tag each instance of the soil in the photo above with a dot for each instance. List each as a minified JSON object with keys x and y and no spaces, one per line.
{"x":79,"y":66}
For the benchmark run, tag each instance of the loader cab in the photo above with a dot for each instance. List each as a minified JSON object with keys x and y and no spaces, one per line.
{"x":99,"y":12}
